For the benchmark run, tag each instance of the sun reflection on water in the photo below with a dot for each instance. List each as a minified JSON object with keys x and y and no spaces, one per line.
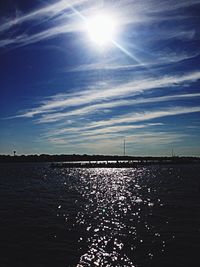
{"x":116,"y":217}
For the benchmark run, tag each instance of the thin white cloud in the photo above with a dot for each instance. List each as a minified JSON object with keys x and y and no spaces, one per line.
{"x":25,"y":39}
{"x":142,"y":12}
{"x":163,"y":6}
{"x":114,"y":139}
{"x":145,"y":116}
{"x":53,"y":117}
{"x":160,"y":59}
{"x":43,"y":12}
{"x":95,"y":132}
{"x":124,"y":123}
{"x":124,"y":90}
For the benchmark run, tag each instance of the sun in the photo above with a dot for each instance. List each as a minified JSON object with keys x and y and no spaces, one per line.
{"x":101,"y":29}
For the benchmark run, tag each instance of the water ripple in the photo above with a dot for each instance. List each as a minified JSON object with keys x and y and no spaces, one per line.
{"x":116,"y":216}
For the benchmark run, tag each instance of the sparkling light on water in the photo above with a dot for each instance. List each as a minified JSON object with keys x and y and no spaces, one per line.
{"x":116,"y":216}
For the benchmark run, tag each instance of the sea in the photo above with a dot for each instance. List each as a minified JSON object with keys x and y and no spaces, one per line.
{"x":144,"y":217}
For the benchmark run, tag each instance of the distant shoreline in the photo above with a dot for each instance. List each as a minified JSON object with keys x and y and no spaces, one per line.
{"x":99,"y":158}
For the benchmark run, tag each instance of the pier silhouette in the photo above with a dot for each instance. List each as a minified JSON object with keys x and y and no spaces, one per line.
{"x":99,"y":161}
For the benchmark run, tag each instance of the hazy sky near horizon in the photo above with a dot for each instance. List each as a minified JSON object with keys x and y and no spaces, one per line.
{"x":63,"y":93}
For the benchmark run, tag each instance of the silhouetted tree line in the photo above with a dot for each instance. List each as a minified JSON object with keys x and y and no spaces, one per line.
{"x":85,"y":157}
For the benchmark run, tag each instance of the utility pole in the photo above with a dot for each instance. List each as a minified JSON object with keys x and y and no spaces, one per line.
{"x":124,"y":147}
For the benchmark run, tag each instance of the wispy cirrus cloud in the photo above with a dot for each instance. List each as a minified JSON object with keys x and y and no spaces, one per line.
{"x":113,"y":140}
{"x":69,"y":131}
{"x":139,"y":7}
{"x":109,"y":134}
{"x":137,"y":144}
{"x":138,"y":14}
{"x":25,"y":39}
{"x":113,"y":93}
{"x":91,"y":109}
{"x":135,"y":117}
{"x":66,"y":25}
{"x":144,"y":116}
{"x":158,"y":60}
{"x":170,"y":5}
{"x":43,"y":12}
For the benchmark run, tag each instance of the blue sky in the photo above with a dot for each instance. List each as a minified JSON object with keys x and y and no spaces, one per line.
{"x":62,"y":93}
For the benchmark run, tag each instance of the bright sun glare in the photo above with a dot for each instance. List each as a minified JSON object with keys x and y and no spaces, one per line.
{"x":101,"y":29}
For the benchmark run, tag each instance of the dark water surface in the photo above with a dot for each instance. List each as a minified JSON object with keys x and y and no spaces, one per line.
{"x":149,"y":216}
